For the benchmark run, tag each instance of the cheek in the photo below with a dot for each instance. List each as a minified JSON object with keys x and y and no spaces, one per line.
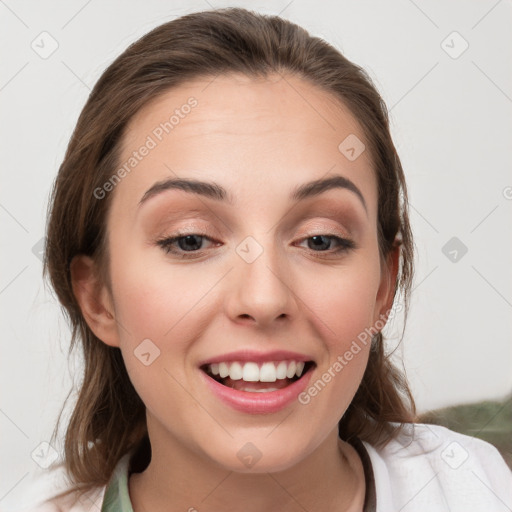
{"x":343,"y":306}
{"x":345,"y":302}
{"x":170,"y":305}
{"x":155,"y":311}
{"x":342,"y":311}
{"x":154,"y":300}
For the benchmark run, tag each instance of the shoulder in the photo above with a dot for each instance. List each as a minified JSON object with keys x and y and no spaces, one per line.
{"x":44,"y":492}
{"x":51,"y":495}
{"x":90,"y":501}
{"x":429,"y":465}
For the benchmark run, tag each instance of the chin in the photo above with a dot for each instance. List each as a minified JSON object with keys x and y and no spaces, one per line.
{"x":254,"y":458}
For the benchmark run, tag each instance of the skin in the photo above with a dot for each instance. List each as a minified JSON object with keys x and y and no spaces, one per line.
{"x":259,"y":139}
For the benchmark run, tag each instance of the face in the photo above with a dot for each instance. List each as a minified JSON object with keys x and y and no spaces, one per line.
{"x":260,"y":276}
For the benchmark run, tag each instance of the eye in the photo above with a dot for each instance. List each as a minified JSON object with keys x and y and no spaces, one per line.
{"x":189,"y":245}
{"x":186,"y":243}
{"x":323,"y":243}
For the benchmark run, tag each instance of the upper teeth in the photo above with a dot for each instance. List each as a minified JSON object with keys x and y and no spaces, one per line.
{"x":253,"y":372}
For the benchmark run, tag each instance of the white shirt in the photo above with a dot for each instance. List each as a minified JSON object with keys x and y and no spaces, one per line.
{"x":427,"y":468}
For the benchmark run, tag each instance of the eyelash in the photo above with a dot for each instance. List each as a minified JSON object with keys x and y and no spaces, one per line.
{"x":345,"y":244}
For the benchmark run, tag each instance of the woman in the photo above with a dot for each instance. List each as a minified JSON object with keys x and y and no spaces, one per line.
{"x":228,"y":233}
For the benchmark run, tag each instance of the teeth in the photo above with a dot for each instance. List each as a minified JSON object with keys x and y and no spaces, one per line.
{"x":292,"y":368}
{"x":250,"y":372}
{"x":268,"y":390}
{"x":236,"y":371}
{"x":253,"y":372}
{"x":268,"y":372}
{"x":223,"y":370}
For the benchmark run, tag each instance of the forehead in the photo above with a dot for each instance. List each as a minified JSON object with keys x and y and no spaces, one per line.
{"x":249,"y":134}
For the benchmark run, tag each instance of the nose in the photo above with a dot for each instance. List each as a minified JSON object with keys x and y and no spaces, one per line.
{"x":261,"y":289}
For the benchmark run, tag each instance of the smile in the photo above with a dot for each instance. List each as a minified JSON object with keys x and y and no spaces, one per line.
{"x":254,"y":387}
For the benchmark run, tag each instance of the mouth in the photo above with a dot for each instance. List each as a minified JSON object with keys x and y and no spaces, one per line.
{"x":258,"y":377}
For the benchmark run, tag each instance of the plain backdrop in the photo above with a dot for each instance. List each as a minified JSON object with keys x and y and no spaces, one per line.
{"x":443,"y":69}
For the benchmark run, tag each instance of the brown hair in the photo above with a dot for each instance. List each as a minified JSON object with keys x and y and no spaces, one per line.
{"x":109,"y":417}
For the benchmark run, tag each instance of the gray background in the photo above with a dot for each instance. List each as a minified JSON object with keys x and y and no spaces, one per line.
{"x":452,"y":124}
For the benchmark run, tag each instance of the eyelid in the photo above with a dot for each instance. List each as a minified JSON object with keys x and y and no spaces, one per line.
{"x":315,"y":228}
{"x":322,"y":227}
{"x":327,"y":220}
{"x":191,"y":229}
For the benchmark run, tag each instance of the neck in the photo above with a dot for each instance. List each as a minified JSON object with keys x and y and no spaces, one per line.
{"x":331,"y":477}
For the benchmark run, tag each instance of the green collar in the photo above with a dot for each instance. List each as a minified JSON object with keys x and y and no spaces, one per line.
{"x":117,"y":497}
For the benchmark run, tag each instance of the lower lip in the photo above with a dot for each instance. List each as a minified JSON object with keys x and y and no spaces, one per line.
{"x":258,"y":403}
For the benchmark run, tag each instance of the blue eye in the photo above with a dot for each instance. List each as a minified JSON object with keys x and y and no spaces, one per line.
{"x":186,"y":243}
{"x":189,"y":245}
{"x":318,"y":241}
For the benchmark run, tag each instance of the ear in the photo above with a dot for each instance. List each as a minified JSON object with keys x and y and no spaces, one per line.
{"x":386,"y":292}
{"x":94,"y":300}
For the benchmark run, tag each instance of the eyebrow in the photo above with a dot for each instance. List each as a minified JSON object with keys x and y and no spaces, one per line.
{"x":217,"y":192}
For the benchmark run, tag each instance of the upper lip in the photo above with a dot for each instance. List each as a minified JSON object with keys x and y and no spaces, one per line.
{"x":257,"y":357}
